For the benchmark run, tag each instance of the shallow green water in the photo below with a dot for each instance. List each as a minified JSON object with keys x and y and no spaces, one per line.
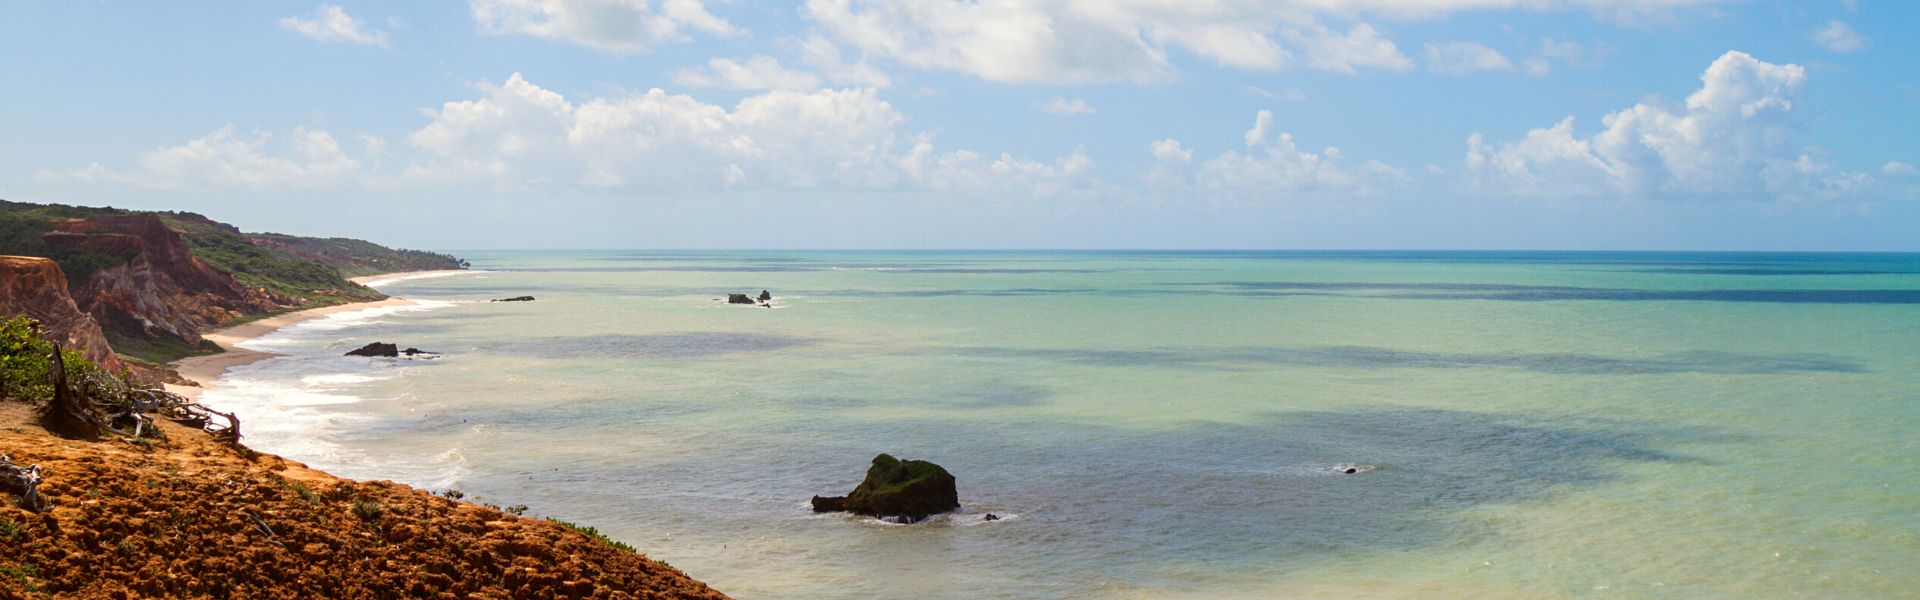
{"x":1160,"y":424}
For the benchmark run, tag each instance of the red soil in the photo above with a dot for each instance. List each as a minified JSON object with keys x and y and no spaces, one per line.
{"x":173,"y":520}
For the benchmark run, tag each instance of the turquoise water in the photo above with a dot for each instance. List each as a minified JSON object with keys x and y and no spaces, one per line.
{"x":1159,"y":425}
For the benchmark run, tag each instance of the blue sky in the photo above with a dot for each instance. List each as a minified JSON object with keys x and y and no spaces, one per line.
{"x":1505,"y":124}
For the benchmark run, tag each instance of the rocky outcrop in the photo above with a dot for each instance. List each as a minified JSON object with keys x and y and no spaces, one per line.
{"x":381,"y":349}
{"x":37,"y":288}
{"x":386,"y":350}
{"x":740,"y":299}
{"x":515,"y":299}
{"x":906,"y":490}
{"x":163,"y":290}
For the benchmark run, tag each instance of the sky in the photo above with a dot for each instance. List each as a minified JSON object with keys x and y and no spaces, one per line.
{"x":1196,"y":124}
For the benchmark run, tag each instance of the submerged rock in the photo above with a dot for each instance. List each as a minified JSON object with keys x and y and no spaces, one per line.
{"x":909,"y":490}
{"x":382,"y":349}
{"x":515,"y":299}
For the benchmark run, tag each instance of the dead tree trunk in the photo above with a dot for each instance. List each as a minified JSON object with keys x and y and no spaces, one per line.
{"x":22,"y":481}
{"x":67,"y":414}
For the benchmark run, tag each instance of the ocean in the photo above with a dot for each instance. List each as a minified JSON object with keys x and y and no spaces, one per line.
{"x":1158,"y":424}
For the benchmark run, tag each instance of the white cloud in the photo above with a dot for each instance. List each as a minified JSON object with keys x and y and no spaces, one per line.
{"x":330,"y":23}
{"x":820,"y":53}
{"x":618,"y":26}
{"x":308,"y":159}
{"x":1536,"y":67}
{"x":757,"y":73}
{"x":1571,"y":53}
{"x":1897,"y":168}
{"x":518,"y":134}
{"x":1271,"y":166}
{"x":1362,"y":46}
{"x":1292,"y":94}
{"x":1063,"y":106}
{"x":1098,"y":41}
{"x":1460,"y":58}
{"x":1735,"y":137}
{"x":1838,"y":37}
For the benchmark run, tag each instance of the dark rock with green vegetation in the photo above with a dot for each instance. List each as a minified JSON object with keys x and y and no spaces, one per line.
{"x":908,"y":490}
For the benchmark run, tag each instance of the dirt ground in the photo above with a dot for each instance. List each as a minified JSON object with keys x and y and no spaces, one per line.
{"x":192,"y":518}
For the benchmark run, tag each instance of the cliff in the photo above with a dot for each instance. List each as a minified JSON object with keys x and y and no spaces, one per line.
{"x":37,"y":288}
{"x":154,"y":280}
{"x":184,"y":516}
{"x":163,"y":290}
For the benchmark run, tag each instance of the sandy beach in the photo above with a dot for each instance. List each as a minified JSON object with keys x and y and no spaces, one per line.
{"x":206,"y":370}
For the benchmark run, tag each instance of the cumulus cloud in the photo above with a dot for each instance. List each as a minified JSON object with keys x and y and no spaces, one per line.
{"x":1063,"y":106}
{"x":330,"y":23}
{"x":618,"y":26}
{"x":757,"y":73}
{"x":1570,"y":53}
{"x":1083,"y":41}
{"x":1460,"y":58}
{"x":518,"y":134}
{"x":1737,"y":136}
{"x":1838,"y":37}
{"x":1272,"y":165}
{"x":1897,"y":168}
{"x":1361,"y":46}
{"x":308,"y":159}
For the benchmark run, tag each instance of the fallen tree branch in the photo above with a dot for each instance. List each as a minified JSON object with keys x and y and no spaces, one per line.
{"x":24,"y":482}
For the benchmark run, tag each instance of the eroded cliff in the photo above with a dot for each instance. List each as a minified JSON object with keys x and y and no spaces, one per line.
{"x":36,"y":287}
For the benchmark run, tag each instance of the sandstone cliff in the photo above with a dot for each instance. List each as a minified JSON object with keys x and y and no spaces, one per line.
{"x":37,"y":288}
{"x":163,"y":290}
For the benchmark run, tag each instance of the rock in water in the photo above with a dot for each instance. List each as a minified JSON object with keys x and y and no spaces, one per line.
{"x":909,"y":489}
{"x":515,"y":299}
{"x":739,"y":299}
{"x":765,"y":296}
{"x":376,"y":349}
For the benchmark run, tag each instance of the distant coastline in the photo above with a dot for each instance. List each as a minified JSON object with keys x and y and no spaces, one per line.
{"x":207,"y":369}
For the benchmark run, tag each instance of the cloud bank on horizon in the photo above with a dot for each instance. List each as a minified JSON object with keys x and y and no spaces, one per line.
{"x":1036,"y":123}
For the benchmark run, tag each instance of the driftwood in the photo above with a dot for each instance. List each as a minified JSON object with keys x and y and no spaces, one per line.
{"x":68,"y":414}
{"x":21,"y":481}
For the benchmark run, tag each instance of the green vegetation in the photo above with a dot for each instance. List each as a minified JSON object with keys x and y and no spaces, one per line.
{"x":21,"y":228}
{"x":10,"y":531}
{"x":26,"y":363}
{"x":368,"y":510}
{"x":355,"y":258}
{"x":595,"y":534}
{"x":312,"y":269}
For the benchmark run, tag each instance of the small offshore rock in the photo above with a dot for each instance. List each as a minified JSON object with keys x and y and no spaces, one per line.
{"x":908,"y":490}
{"x":739,"y":299}
{"x":380,"y":349}
{"x":991,"y":517}
{"x":515,"y":299}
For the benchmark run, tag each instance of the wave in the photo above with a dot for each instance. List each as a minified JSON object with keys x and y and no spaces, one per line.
{"x":375,"y":283}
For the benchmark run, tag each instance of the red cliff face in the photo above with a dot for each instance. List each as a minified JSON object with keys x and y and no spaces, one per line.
{"x":37,"y":288}
{"x":163,"y":290}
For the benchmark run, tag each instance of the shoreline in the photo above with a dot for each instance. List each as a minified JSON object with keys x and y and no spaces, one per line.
{"x":207,"y":369}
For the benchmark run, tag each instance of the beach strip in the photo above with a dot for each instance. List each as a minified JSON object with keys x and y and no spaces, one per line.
{"x":206,"y":370}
